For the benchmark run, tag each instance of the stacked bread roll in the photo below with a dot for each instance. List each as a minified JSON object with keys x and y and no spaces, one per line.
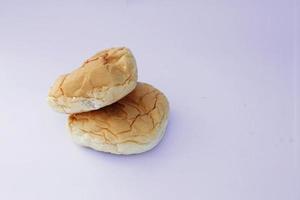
{"x":109,"y":110}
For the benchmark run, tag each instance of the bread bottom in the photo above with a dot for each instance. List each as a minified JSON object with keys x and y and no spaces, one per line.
{"x":100,"y":99}
{"x":88,"y":140}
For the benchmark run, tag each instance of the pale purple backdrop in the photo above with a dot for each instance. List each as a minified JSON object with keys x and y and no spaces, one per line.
{"x":229,"y":68}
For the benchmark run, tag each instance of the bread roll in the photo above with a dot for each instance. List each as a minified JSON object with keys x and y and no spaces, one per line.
{"x":134,"y":124}
{"x":101,"y":80}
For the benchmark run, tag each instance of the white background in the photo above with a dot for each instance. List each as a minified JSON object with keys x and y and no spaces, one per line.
{"x":229,"y":68}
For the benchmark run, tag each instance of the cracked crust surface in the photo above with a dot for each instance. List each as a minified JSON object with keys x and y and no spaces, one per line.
{"x":101,"y":80}
{"x":132,"y":125}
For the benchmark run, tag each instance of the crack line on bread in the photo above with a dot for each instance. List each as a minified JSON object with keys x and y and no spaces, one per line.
{"x":141,"y":115}
{"x":61,"y":83}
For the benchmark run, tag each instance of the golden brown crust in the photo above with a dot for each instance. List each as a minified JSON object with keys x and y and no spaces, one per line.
{"x":136,"y":118}
{"x":109,"y":68}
